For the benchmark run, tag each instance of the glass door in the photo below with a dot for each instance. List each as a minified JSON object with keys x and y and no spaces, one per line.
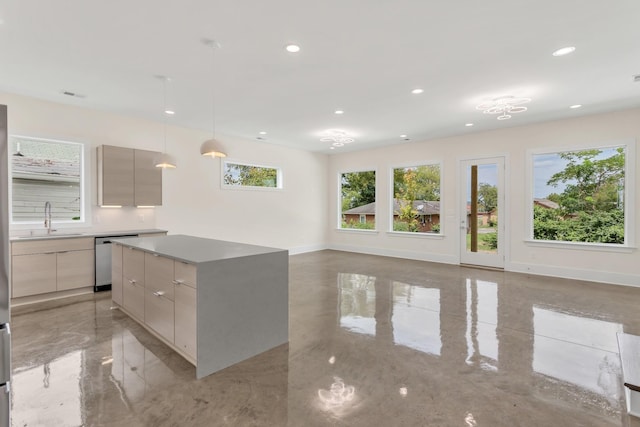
{"x":481,"y":227}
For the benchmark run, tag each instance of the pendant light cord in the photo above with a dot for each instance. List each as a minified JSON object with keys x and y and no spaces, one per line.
{"x":164,"y":101}
{"x":213,"y":88}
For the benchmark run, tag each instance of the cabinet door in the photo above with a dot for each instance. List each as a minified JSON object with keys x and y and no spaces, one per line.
{"x":116,"y":273}
{"x":116,"y":176}
{"x":185,"y":274}
{"x":158,"y":274}
{"x":133,"y":282}
{"x":158,"y":314}
{"x":33,"y":274}
{"x":75,"y":269}
{"x":147,"y":179}
{"x":185,"y":326}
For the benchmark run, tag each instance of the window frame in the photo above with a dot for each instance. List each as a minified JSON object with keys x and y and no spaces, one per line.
{"x":84,"y":184}
{"x":629,"y":196}
{"x":279,"y":176}
{"x":422,"y":235}
{"x":339,"y":201}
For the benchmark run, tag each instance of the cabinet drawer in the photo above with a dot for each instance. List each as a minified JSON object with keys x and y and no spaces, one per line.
{"x":158,"y":274}
{"x":133,"y":265}
{"x":186,"y":273}
{"x":51,"y":245}
{"x":133,"y":299}
{"x":75,"y":269}
{"x":159,"y":314}
{"x":33,"y":274}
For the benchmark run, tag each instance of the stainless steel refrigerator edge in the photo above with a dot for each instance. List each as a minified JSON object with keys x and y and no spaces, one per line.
{"x":5,"y":335}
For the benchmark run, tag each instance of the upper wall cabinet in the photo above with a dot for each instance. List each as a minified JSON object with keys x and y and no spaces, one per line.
{"x":128,"y":177}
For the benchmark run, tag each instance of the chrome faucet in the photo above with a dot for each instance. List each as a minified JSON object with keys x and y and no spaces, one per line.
{"x":47,"y":216}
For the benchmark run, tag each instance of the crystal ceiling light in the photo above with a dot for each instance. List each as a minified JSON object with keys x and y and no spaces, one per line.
{"x":336,"y":136}
{"x":504,"y":106}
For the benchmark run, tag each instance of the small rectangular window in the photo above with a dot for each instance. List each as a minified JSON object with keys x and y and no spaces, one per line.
{"x":46,"y":171}
{"x":250,"y":176}
{"x":416,"y":199}
{"x":358,"y":200}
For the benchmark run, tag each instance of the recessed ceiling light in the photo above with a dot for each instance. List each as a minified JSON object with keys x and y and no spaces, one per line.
{"x":339,"y":112}
{"x":468,"y":124}
{"x":575,"y":106}
{"x":292,"y":48}
{"x":403,"y":136}
{"x":417,"y":91}
{"x":262,"y":133}
{"x":169,"y":112}
{"x":564,"y":51}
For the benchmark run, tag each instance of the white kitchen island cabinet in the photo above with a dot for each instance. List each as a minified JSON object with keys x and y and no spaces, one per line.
{"x":214,"y":302}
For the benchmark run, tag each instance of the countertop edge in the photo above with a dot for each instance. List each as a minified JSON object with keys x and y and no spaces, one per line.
{"x":116,"y":234}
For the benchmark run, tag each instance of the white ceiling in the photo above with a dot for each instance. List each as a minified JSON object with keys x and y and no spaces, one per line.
{"x":361,"y":56}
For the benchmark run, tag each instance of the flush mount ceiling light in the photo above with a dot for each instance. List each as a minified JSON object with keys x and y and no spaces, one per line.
{"x":339,"y":112}
{"x":417,"y":91}
{"x":337,"y":136}
{"x":468,"y":124}
{"x":292,"y":48}
{"x":165,"y":160}
{"x":211,"y":147}
{"x":169,"y":112}
{"x":564,"y":51}
{"x":573,"y":107}
{"x":504,"y":106}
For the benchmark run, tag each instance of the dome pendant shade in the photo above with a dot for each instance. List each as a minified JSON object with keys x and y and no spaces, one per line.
{"x":165,"y":161}
{"x":211,"y":147}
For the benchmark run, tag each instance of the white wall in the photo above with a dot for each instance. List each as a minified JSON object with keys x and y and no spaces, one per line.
{"x":598,"y":265}
{"x":294,"y":218}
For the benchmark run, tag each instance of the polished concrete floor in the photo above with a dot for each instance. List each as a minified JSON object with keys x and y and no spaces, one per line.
{"x":374,"y":341}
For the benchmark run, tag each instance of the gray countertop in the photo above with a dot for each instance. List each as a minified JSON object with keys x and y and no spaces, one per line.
{"x":195,"y":250}
{"x":71,"y":235}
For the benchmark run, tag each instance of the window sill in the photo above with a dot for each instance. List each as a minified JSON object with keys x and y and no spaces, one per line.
{"x":406,"y":234}
{"x":581,"y":246}
{"x":356,"y":230}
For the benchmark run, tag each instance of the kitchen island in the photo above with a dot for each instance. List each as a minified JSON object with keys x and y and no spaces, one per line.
{"x":214,"y":302}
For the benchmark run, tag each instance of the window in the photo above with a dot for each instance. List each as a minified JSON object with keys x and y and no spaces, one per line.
{"x":46,"y":171}
{"x":416,"y":199}
{"x":581,"y":195}
{"x":250,"y":176}
{"x":358,"y":200}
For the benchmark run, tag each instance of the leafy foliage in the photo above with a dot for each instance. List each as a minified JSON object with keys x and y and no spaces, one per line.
{"x":410,"y":184}
{"x":590,"y":207}
{"x":358,"y":188}
{"x":487,"y":197}
{"x":250,"y":176}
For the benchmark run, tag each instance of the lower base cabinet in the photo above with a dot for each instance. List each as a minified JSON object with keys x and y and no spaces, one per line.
{"x":158,"y":314}
{"x":33,"y":274}
{"x":185,"y":319}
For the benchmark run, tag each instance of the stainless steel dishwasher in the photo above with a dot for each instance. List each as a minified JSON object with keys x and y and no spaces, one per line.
{"x":103,"y":261}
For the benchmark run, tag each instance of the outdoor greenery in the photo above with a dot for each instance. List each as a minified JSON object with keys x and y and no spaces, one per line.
{"x":591,"y":206}
{"x":487,"y":197}
{"x":358,"y":188}
{"x":250,"y":176}
{"x":486,"y":242}
{"x":358,"y":225}
{"x":411,"y":184}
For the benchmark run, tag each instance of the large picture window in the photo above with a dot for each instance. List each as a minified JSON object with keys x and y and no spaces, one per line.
{"x":416,"y":199}
{"x":358,"y":200}
{"x":45,"y":171}
{"x":580,"y":195}
{"x":250,"y":176}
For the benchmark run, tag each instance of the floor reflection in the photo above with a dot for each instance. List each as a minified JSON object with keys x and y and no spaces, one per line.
{"x":579,"y":350}
{"x":482,"y":321}
{"x":416,"y":317}
{"x":357,"y":303}
{"x":49,"y":394}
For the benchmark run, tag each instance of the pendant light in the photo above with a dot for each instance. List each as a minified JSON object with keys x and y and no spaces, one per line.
{"x":165,"y":160}
{"x":211,"y":147}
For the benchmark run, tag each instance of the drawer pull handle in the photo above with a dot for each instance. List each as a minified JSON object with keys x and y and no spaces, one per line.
{"x":159,"y":293}
{"x":133,"y":282}
{"x":178,"y":282}
{"x":155,"y":254}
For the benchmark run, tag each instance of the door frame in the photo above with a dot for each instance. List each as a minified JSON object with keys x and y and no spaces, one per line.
{"x":503,"y":220}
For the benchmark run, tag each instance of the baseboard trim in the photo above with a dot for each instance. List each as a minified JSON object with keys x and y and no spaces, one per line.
{"x":416,"y":256}
{"x":576,"y":274}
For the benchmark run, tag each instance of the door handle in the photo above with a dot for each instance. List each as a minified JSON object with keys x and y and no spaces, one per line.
{"x":6,"y":353}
